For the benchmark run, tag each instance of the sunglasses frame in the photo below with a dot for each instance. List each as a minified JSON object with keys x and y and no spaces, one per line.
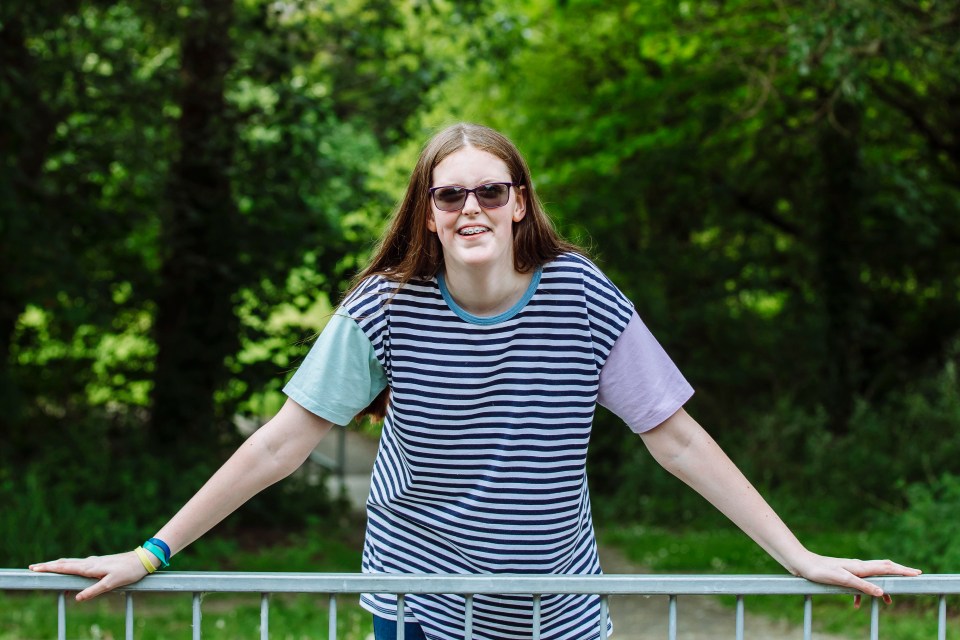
{"x":467,"y":192}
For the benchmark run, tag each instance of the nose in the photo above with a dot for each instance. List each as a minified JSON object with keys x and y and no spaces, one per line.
{"x":471,"y":204}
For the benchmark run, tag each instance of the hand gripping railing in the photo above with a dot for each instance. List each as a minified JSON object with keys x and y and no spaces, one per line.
{"x":469,"y":586}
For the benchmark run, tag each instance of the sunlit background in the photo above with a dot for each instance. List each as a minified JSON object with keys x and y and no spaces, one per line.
{"x":188,"y":187}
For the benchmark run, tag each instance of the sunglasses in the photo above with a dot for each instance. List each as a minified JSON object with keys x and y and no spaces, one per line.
{"x":489,"y":196}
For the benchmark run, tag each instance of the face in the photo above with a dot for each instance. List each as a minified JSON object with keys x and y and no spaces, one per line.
{"x":475,"y":235}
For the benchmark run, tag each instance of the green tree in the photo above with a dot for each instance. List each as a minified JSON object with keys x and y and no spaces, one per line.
{"x":775,"y":186}
{"x":182,"y":186}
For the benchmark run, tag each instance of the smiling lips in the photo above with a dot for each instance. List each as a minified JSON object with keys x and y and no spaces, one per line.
{"x":473,"y":230}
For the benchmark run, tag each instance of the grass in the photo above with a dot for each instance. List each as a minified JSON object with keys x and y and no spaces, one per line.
{"x":727,"y":550}
{"x":25,"y":616}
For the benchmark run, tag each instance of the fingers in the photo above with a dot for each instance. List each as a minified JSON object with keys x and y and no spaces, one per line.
{"x":864,"y":586}
{"x":110,"y":572}
{"x":851,"y":573}
{"x":868,"y":568}
{"x":72,"y":566}
{"x":95,"y":590}
{"x":857,"y":598}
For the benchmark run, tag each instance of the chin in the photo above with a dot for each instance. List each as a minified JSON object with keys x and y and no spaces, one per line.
{"x":479,"y":257}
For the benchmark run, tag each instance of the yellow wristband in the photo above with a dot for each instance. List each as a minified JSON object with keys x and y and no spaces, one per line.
{"x":145,"y":559}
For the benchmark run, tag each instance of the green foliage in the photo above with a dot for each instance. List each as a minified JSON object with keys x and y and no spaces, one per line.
{"x":926,"y":531}
{"x":810,"y":474}
{"x":94,"y":492}
{"x":769,"y":184}
{"x":722,"y":549}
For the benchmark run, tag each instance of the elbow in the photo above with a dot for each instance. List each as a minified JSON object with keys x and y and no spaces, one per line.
{"x":673,"y":443}
{"x":270,"y":459}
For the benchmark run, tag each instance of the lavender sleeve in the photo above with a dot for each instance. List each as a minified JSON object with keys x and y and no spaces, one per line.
{"x":639,"y":382}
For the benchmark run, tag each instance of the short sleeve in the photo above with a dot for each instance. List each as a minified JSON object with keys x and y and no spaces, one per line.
{"x":608,"y":309}
{"x":341,"y":375}
{"x":639,"y":382}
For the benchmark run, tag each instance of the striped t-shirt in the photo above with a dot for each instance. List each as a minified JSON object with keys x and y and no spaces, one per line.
{"x":482,"y":460}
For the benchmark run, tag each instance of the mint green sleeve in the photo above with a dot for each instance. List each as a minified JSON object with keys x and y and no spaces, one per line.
{"x":340,"y":375}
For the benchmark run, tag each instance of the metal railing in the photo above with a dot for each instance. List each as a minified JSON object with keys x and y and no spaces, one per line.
{"x":605,"y":586}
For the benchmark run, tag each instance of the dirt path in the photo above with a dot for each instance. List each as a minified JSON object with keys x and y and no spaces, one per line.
{"x":698,"y":617}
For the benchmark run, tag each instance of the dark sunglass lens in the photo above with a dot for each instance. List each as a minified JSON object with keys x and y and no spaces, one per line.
{"x":449,"y":198}
{"x":493,"y":195}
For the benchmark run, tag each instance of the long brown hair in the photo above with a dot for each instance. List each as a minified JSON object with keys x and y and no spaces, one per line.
{"x":410,"y":250}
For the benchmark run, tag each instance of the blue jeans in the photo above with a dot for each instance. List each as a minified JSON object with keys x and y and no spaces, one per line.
{"x":384,"y":629}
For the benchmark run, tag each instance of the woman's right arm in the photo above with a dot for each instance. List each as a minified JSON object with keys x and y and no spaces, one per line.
{"x":273,"y":452}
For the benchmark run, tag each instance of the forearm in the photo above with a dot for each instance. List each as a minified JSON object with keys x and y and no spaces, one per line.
{"x":689,"y":453}
{"x":272,"y":453}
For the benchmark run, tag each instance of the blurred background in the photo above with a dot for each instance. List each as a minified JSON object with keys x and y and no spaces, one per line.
{"x":187,"y":187}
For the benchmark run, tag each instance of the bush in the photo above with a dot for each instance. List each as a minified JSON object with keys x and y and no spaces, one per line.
{"x":100,"y":490}
{"x":925,"y":534}
{"x":809,"y":474}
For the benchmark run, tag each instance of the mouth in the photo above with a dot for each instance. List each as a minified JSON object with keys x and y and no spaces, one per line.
{"x":473,"y":230}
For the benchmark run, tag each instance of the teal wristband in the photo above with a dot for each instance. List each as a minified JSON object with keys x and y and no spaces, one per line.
{"x":163,"y":545}
{"x":158,"y":552}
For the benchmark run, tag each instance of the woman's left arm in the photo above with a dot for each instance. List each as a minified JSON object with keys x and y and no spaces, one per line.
{"x":687,"y":451}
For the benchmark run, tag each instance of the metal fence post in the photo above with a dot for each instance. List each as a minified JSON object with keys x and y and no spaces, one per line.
{"x":332,"y":609}
{"x":672,"y":619}
{"x":128,"y":616}
{"x":62,"y":616}
{"x":196,"y":616}
{"x":739,"y":629}
{"x":536,"y":616}
{"x":264,"y":616}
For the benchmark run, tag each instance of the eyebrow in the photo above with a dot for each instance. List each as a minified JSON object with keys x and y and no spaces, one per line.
{"x":483,"y":181}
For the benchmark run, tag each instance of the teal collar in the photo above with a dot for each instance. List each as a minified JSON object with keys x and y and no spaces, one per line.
{"x":501,"y":317}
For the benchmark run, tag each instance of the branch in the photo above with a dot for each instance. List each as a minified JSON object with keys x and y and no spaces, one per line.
{"x":751,"y":205}
{"x":914,"y":115}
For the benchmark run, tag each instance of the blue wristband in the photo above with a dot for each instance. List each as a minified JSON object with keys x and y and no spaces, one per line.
{"x":163,"y":545}
{"x":158,"y":552}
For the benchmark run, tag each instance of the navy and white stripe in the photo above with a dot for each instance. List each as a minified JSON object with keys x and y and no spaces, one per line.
{"x":482,"y":461}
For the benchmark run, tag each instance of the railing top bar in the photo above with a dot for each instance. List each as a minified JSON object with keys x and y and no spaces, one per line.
{"x":17,"y":579}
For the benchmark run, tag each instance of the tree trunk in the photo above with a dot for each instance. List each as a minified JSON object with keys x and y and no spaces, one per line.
{"x":196,"y":328}
{"x":838,"y":249}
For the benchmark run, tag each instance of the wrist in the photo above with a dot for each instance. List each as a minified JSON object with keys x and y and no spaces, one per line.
{"x":798,"y":561}
{"x":146,"y":559}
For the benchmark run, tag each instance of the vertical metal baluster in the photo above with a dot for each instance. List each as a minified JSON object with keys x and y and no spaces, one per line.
{"x":264,"y":616}
{"x":401,"y":615}
{"x":875,"y":619}
{"x":739,"y":617}
{"x":807,"y":617}
{"x":128,"y":598}
{"x":196,"y":616}
{"x":603,"y":617}
{"x":332,"y":630}
{"x":536,"y":616}
{"x":62,"y":616}
{"x":468,"y":623}
{"x":942,"y":618}
{"x":672,"y":619}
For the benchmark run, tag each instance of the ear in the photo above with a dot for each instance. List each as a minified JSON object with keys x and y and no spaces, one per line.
{"x":431,"y":223}
{"x":520,"y":208}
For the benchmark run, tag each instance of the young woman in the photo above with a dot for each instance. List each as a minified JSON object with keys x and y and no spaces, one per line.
{"x":485,"y":341}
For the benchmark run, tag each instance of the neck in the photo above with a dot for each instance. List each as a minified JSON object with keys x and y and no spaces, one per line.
{"x":486,"y":291}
